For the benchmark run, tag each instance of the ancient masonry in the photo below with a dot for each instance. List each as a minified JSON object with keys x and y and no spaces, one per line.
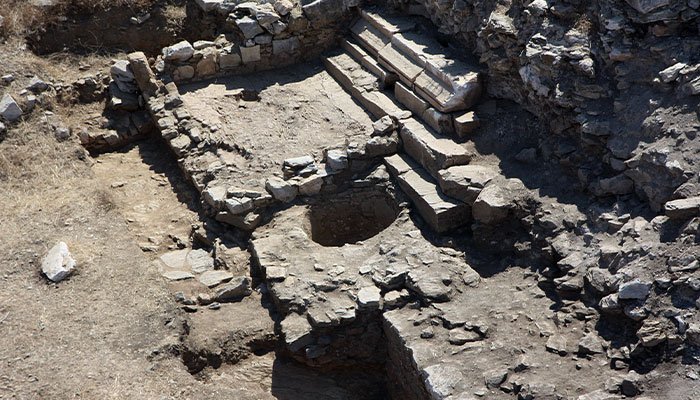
{"x":341,"y":289}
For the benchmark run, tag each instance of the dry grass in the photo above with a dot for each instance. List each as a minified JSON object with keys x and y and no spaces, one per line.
{"x":21,"y":16}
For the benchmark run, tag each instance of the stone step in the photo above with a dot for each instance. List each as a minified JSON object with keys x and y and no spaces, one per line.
{"x":362,"y":85}
{"x":432,"y":150}
{"x":371,"y":38}
{"x":396,"y":61}
{"x":458,"y":78}
{"x":385,"y":77}
{"x":388,"y":24}
{"x":441,"y":212}
{"x":440,"y":122}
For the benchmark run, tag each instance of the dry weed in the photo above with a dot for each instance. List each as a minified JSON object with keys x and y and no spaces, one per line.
{"x":21,"y":16}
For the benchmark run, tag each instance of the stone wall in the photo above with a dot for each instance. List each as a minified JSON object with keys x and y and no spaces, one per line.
{"x":608,"y":77}
{"x":255,"y":37}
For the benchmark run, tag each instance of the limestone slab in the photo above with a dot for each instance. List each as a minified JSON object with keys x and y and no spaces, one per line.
{"x":433,"y":151}
{"x":396,"y":61}
{"x":441,"y":212}
{"x":371,"y":38}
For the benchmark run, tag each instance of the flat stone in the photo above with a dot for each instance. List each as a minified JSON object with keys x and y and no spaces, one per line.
{"x":369,"y":297}
{"x":396,"y":61}
{"x":388,"y":25}
{"x":179,"y":144}
{"x":557,"y":344}
{"x":214,"y":196}
{"x":428,"y":286}
{"x":441,"y":212}
{"x":58,"y":263}
{"x":215,"y":277}
{"x":670,"y":74}
{"x":432,"y":150}
{"x":635,"y":290}
{"x":285,"y":46}
{"x":410,"y":99}
{"x":683,"y":208}
{"x":181,"y":51}
{"x":590,"y":344}
{"x":275,"y":273}
{"x":651,"y":333}
{"x":238,"y":287}
{"x":177,"y":275}
{"x":9,"y":109}
{"x":460,"y":336}
{"x":442,"y":380}
{"x":296,"y":330}
{"x":384,"y":77}
{"x":196,"y":260}
{"x":183,"y":73}
{"x":229,"y":60}
{"x":461,"y":81}
{"x":239,"y":206}
{"x":371,"y":38}
{"x":250,"y":54}
{"x":283,"y":7}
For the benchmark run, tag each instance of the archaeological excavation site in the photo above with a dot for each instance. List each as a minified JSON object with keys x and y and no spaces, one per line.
{"x":350,"y":199}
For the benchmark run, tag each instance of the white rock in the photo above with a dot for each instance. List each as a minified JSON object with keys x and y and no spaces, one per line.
{"x":337,"y":160}
{"x":179,"y":52}
{"x":121,"y":69}
{"x":369,"y":297}
{"x":281,"y":189}
{"x":58,"y":263}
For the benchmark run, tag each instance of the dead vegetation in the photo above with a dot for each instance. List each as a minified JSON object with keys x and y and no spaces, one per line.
{"x":20,"y":17}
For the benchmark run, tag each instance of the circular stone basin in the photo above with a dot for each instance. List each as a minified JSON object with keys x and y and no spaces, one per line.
{"x":351,"y":216}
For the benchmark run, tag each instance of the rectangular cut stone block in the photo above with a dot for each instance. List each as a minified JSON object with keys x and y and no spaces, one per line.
{"x":388,"y":25}
{"x":433,"y":151}
{"x":441,"y":122}
{"x":351,"y":75}
{"x":228,"y":61}
{"x":461,"y":78}
{"x":250,"y":54}
{"x":436,"y":93}
{"x":385,"y":77}
{"x":370,"y":37}
{"x":393,"y":59}
{"x":441,"y":212}
{"x":409,"y":99}
{"x":285,"y":46}
{"x":466,"y":123}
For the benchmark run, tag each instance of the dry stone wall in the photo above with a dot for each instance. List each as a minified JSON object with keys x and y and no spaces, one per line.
{"x":610,"y":77}
{"x":253,"y":36}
